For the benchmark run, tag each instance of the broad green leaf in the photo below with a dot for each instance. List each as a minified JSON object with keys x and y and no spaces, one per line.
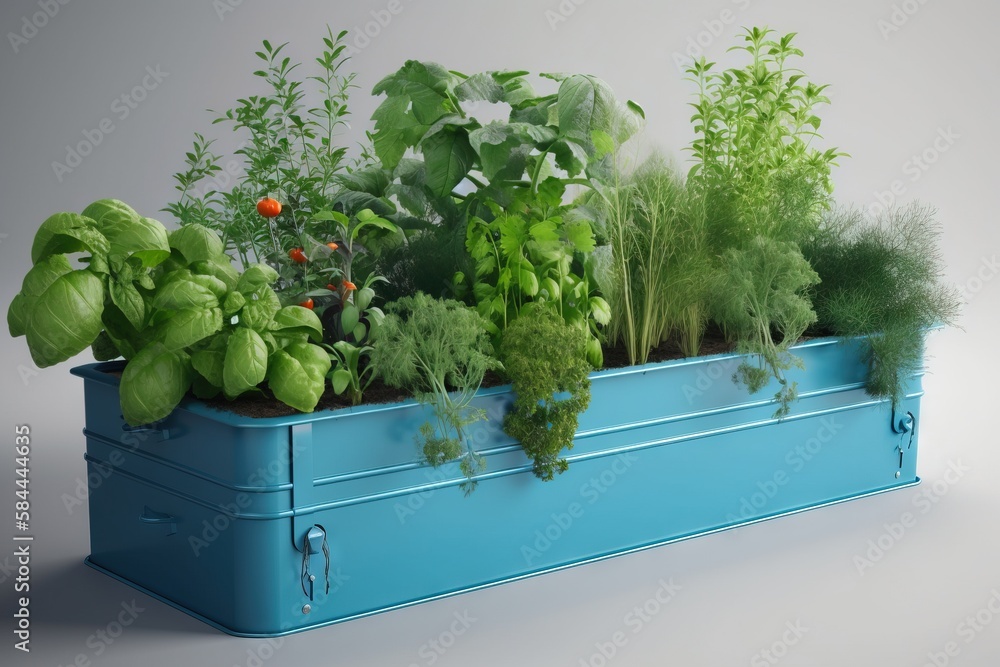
{"x":396,"y":130}
{"x":68,"y":233}
{"x":604,"y":144}
{"x":221,"y":267}
{"x":371,"y":180}
{"x":153,"y":383}
{"x":360,"y":331}
{"x":260,"y":308}
{"x":297,"y":375}
{"x":340,"y":380}
{"x":210,"y":364}
{"x":203,"y":388}
{"x":585,"y":104}
{"x":213,"y":284}
{"x":449,"y":157}
{"x":196,"y":243}
{"x":570,"y":156}
{"x":600,"y":310}
{"x":296,"y":319}
{"x":544,"y":231}
{"x":103,"y":348}
{"x":527,"y":279}
{"x":333,"y":216}
{"x":129,"y":233}
{"x":126,"y":337}
{"x":363,"y":297}
{"x":425,"y":84}
{"x":234,"y":301}
{"x":129,"y":301}
{"x":110,"y":213}
{"x":255,"y":277}
{"x":66,"y":318}
{"x":187,"y":327}
{"x":182,"y":293}
{"x":595,"y":354}
{"x":35,"y":282}
{"x":349,"y":317}
{"x":580,"y":235}
{"x":245,"y":363}
{"x":482,"y":87}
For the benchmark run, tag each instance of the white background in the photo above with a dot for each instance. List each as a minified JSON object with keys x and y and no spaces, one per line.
{"x":894,"y":91}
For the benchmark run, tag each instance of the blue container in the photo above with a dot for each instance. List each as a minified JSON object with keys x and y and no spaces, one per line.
{"x":263,"y":527}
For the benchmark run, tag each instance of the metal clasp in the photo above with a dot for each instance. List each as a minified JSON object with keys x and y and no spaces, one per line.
{"x":903,"y":423}
{"x":314,"y":542}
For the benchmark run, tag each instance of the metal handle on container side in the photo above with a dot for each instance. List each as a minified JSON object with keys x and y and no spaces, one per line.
{"x":159,"y":518}
{"x":147,"y":428}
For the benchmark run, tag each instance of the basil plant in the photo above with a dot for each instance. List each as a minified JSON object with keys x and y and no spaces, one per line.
{"x":172,"y":304}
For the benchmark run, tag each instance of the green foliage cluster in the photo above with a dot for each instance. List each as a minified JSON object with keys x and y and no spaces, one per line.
{"x":544,"y":358}
{"x":526,"y":244}
{"x":171,"y":304}
{"x":761,"y":294}
{"x":440,"y":350}
{"x":656,"y":267}
{"x":881,"y":279}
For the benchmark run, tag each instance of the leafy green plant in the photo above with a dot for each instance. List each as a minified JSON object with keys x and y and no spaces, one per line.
{"x":543,"y":357}
{"x":162,"y":301}
{"x":440,"y":350}
{"x":753,"y":151}
{"x":881,"y":279}
{"x":515,"y":171}
{"x":657,"y":265}
{"x":290,"y":152}
{"x":761,"y":296}
{"x":526,"y":256}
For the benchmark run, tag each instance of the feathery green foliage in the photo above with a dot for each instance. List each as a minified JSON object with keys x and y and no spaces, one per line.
{"x":761,"y":296}
{"x":656,"y":272}
{"x":432,"y":346}
{"x":881,"y":280}
{"x":544,"y":356}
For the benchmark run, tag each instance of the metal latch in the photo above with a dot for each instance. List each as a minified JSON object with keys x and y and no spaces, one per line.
{"x":903,"y":423}
{"x":314,"y":542}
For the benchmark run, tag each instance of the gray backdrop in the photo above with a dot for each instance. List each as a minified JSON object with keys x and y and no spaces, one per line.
{"x":910,"y":79}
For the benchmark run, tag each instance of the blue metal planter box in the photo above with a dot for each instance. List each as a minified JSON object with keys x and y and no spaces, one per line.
{"x":262,"y":527}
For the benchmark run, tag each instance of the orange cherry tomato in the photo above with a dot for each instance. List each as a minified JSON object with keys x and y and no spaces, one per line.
{"x":308,"y":303}
{"x":348,"y":286}
{"x":297,"y":255}
{"x":332,"y":246}
{"x":269,"y":208}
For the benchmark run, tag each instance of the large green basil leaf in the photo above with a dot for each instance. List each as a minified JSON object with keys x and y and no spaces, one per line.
{"x":130,"y":234}
{"x":129,"y":301}
{"x":297,"y":375}
{"x":181,"y":293}
{"x":126,"y":337}
{"x":254,"y":277}
{"x":187,"y":327}
{"x":259,"y":310}
{"x":68,"y":233}
{"x":197,"y":243}
{"x":66,"y":318}
{"x":37,"y":280}
{"x":245,"y":363}
{"x":296,"y":319}
{"x":153,"y":383}
{"x":221,"y":267}
{"x":104,"y":348}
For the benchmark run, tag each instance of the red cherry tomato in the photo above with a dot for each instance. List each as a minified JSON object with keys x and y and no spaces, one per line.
{"x":269,"y":208}
{"x":297,"y":255}
{"x":308,"y":303}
